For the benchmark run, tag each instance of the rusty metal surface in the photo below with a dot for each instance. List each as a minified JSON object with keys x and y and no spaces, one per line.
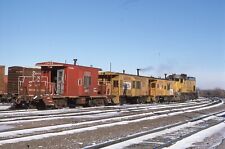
{"x":14,"y":72}
{"x":6,"y":83}
{"x":2,"y":84}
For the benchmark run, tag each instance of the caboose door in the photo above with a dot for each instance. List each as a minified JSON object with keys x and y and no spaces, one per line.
{"x":60,"y":82}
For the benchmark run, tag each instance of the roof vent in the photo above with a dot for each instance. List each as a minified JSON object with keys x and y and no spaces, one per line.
{"x":75,"y":61}
{"x":138,"y":72}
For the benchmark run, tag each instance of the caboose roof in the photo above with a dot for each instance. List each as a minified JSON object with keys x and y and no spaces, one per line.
{"x":57,"y":64}
{"x":118,"y":73}
{"x":50,"y":64}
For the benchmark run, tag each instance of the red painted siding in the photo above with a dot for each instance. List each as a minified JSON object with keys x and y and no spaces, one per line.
{"x":74,"y":78}
{"x":2,"y":74}
{"x":75,"y":73}
{"x":6,"y":82}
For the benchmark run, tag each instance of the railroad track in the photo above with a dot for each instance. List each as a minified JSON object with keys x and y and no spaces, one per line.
{"x":166,"y":136}
{"x":33,"y":112}
{"x":10,"y":118}
{"x":57,"y":130}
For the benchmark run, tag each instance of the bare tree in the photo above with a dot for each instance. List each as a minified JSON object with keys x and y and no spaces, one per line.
{"x":217,"y":92}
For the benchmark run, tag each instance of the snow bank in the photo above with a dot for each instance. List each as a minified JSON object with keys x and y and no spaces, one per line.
{"x":199,"y":137}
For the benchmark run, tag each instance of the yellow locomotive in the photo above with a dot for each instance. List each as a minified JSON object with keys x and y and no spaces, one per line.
{"x":129,"y":88}
{"x":173,"y":88}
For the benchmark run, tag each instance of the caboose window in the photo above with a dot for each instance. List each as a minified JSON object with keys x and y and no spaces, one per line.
{"x":168,"y":86}
{"x":79,"y":82}
{"x":60,"y":75}
{"x":87,"y":81}
{"x":116,"y":83}
{"x":157,"y":85}
{"x":153,"y":85}
{"x":133,"y":84}
{"x":138,"y":85}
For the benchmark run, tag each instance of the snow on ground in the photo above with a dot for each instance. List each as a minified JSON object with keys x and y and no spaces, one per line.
{"x":71,"y":115}
{"x":181,"y":145}
{"x":5,"y":106}
{"x":72,"y":131}
{"x":124,"y":117}
{"x":66,"y":110}
{"x":5,"y":127}
{"x":20,"y":119}
{"x":200,"y":136}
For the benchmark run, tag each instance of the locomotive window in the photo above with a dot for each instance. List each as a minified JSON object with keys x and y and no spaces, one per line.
{"x":116,"y":83}
{"x":87,"y":81}
{"x":181,"y":80}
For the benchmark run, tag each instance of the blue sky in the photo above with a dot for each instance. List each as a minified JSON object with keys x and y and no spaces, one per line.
{"x":168,"y":36}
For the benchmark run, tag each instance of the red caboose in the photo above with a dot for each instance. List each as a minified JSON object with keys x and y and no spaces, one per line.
{"x":61,"y":85}
{"x":73,"y":84}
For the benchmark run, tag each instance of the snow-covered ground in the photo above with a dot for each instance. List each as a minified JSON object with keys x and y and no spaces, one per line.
{"x":183,"y":144}
{"x":34,"y":116}
{"x":110,"y":112}
{"x":124,"y":107}
{"x":21,"y":126}
{"x":119,"y":120}
{"x":5,"y":127}
{"x":4,"y":106}
{"x":201,"y":136}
